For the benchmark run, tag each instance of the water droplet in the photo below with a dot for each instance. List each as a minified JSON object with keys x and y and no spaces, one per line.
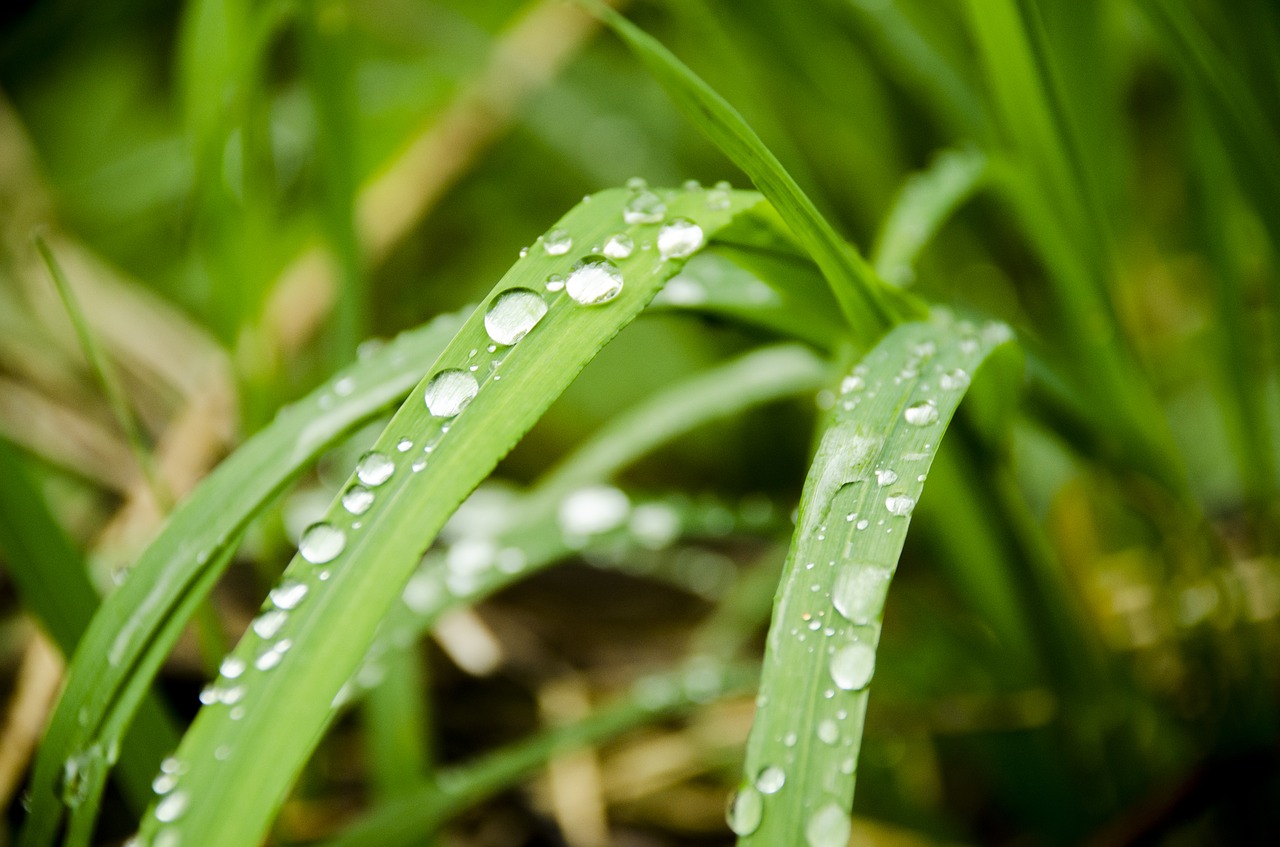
{"x":172,"y":806}
{"x":288,"y":594}
{"x":900,"y":504}
{"x":644,"y":207}
{"x":691,"y":185}
{"x":829,"y":827}
{"x":637,"y":183}
{"x":654,"y":525}
{"x":679,"y":238}
{"x":267,"y":624}
{"x":956,"y":380}
{"x":76,"y":777}
{"x":718,"y":199}
{"x":771,"y":780}
{"x":921,"y":414}
{"x":172,"y":764}
{"x":886,"y":476}
{"x":449,"y":392}
{"x":745,"y":811}
{"x":828,"y":732}
{"x":322,"y":542}
{"x":619,"y":246}
{"x":513,"y":313}
{"x":594,"y":280}
{"x":860,"y":591}
{"x":344,"y":386}
{"x":222,"y":753}
{"x":374,"y":468}
{"x":404,"y":445}
{"x":357,"y":500}
{"x":593,"y":510}
{"x":852,"y":383}
{"x":166,"y":837}
{"x":557,"y":242}
{"x":863,"y":524}
{"x":164,"y":783}
{"x":231,"y":667}
{"x":555,"y":282}
{"x":852,"y":666}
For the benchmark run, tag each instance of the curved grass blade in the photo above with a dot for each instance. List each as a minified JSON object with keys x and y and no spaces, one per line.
{"x":137,"y":626}
{"x":854,"y":513}
{"x":868,"y":305}
{"x":924,"y":203}
{"x":409,"y":819}
{"x":244,"y":750}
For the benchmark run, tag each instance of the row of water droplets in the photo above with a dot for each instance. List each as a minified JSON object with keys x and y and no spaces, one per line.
{"x":860,"y":587}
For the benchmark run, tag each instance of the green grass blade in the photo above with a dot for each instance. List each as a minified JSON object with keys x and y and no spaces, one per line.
{"x":867,"y":305}
{"x":866,"y":478}
{"x":244,"y":754}
{"x":923,"y":205}
{"x":139,"y":623}
{"x":53,"y":582}
{"x":425,"y":809}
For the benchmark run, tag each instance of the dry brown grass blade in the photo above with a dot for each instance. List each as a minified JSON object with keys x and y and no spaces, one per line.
{"x":24,"y":716}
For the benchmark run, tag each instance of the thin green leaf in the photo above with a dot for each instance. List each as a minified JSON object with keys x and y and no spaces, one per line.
{"x":139,"y":623}
{"x":854,"y":513}
{"x":244,"y":751}
{"x":868,"y":305}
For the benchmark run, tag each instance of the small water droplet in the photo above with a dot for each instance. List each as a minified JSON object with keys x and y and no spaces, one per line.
{"x":449,"y":392}
{"x":829,"y":827}
{"x":404,"y":445}
{"x":828,"y":732}
{"x":594,"y":280}
{"x":164,"y":783}
{"x":344,"y":386}
{"x":288,"y":594}
{"x":863,"y":524}
{"x":860,"y":591}
{"x":222,"y":753}
{"x":267,"y":624}
{"x":357,"y":500}
{"x":322,"y":542}
{"x":557,"y":242}
{"x":644,"y":207}
{"x":637,"y":183}
{"x":921,"y":414}
{"x":852,"y":383}
{"x":374,"y":468}
{"x":167,"y":837}
{"x":900,"y":504}
{"x":513,"y":313}
{"x":555,"y":282}
{"x":745,"y":811}
{"x":956,"y":380}
{"x":852,"y":666}
{"x":886,"y":476}
{"x":691,"y":185}
{"x":619,"y":246}
{"x":172,"y":807}
{"x":679,"y":238}
{"x":231,"y":667}
{"x":593,"y":510}
{"x":771,"y":780}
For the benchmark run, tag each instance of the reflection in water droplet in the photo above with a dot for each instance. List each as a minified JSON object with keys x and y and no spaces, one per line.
{"x":644,"y":207}
{"x":679,"y":238}
{"x":374,"y":468}
{"x":357,"y":500}
{"x":771,"y":780}
{"x":594,"y":280}
{"x":921,"y":414}
{"x":513,"y":313}
{"x":557,"y":242}
{"x":746,"y":810}
{"x":322,"y":542}
{"x":829,"y":827}
{"x":851,"y":667}
{"x":449,"y":392}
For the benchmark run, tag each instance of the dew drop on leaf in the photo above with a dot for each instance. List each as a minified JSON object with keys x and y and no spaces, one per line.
{"x":644,"y":207}
{"x":357,"y":500}
{"x":557,"y":242}
{"x":771,"y":779}
{"x":512,"y":314}
{"x":594,"y":280}
{"x":619,"y":246}
{"x":745,"y":811}
{"x":172,"y":807}
{"x":886,"y":476}
{"x":679,"y":238}
{"x":374,"y":468}
{"x":593,"y":510}
{"x":860,"y":591}
{"x":231,"y":667}
{"x":288,"y":594}
{"x":852,"y":666}
{"x":900,"y":504}
{"x":921,"y":414}
{"x":828,"y":732}
{"x":828,"y":827}
{"x":449,"y":392}
{"x":322,"y":542}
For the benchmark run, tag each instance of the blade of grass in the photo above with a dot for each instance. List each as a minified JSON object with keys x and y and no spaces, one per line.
{"x":244,"y":751}
{"x":868,"y":305}
{"x":53,"y":582}
{"x":428,"y":807}
{"x":854,"y":512}
{"x":923,"y":204}
{"x":123,"y":646}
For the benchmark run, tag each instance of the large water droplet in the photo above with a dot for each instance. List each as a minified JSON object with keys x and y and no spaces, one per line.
{"x":644,"y":207}
{"x":851,"y":667}
{"x":921,"y":414}
{"x":829,"y":827}
{"x":513,"y":313}
{"x":557,"y":242}
{"x":322,"y":542}
{"x":374,"y":468}
{"x":886,"y":476}
{"x":771,"y":779}
{"x":172,"y":806}
{"x":594,"y":280}
{"x":900,"y":504}
{"x":745,"y":811}
{"x":590,"y":511}
{"x":357,"y":500}
{"x":288,"y":594}
{"x":679,"y":238}
{"x":449,"y":392}
{"x":619,"y":246}
{"x":860,"y":590}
